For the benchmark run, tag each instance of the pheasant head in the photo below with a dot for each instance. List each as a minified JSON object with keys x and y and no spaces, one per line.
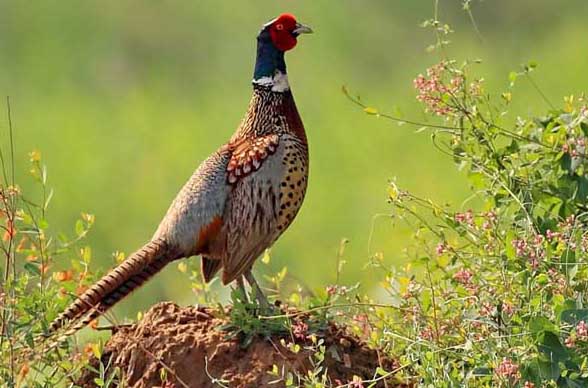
{"x":276,"y":37}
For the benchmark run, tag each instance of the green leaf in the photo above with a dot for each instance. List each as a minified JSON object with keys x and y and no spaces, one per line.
{"x":551,"y":347}
{"x":573,"y":316}
{"x":32,"y":268}
{"x":539,"y":325}
{"x":370,"y":110}
{"x":43,"y":224}
{"x":548,"y":370}
{"x":582,"y":192}
{"x":566,"y":163}
{"x":381,"y":372}
{"x":568,"y":305}
{"x":80,"y":229}
{"x":512,"y":77}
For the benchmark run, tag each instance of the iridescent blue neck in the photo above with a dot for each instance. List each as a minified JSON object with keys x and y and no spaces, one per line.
{"x":270,"y":67}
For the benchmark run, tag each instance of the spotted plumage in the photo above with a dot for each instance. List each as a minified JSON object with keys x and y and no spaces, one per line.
{"x":239,"y":200}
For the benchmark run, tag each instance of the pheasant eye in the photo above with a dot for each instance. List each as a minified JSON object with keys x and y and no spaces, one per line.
{"x":279,"y":27}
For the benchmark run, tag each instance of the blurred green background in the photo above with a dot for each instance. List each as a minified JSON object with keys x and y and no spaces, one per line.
{"x":125,"y":98}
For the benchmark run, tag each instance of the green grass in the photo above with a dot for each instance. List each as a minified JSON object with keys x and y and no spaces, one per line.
{"x":125,"y":100}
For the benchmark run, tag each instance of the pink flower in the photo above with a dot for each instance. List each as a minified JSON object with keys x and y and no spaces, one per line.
{"x":432,"y":89}
{"x":508,"y":308}
{"x":520,"y":247}
{"x":533,"y":250}
{"x":487,"y":309}
{"x":584,"y":243}
{"x":300,"y":330}
{"x":570,"y":342}
{"x":582,"y":330}
{"x":331,"y":290}
{"x":427,"y":334}
{"x":557,"y":281}
{"x":441,"y":248}
{"x":491,"y":215}
{"x":507,"y":369}
{"x":357,"y":382}
{"x":463,"y":276}
{"x":552,"y":235}
{"x":528,"y":384}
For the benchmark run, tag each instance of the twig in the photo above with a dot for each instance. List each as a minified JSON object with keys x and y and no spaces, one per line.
{"x":167,"y":368}
{"x":543,"y":96}
{"x":328,"y":307}
{"x":114,"y":328}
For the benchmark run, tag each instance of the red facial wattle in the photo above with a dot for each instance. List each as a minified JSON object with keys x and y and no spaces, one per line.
{"x":282,"y":32}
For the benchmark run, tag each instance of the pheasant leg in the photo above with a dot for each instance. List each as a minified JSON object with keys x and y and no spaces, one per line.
{"x":261,"y":298}
{"x":241,"y":288}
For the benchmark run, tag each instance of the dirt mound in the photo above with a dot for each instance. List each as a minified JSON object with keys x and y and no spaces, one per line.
{"x":187,"y":344}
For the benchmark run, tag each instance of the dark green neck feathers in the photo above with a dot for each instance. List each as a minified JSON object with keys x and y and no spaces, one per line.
{"x":269,"y":60}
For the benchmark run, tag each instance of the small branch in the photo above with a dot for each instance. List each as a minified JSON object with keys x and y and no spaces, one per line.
{"x":114,"y":328}
{"x":328,"y":307}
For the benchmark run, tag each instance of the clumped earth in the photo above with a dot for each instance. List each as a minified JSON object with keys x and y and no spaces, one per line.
{"x":188,"y":344}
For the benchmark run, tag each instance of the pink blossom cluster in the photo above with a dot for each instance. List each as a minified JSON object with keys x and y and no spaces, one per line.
{"x":475,"y":89}
{"x":532,"y":249}
{"x":300,"y":330}
{"x":508,"y":308}
{"x":566,"y":235}
{"x":580,"y":335}
{"x":584,"y":243}
{"x":574,"y":146}
{"x":489,"y":220}
{"x":412,"y":290}
{"x":428,"y":333}
{"x":432,"y":89}
{"x":357,"y":382}
{"x":487,"y":309}
{"x":336,"y":290}
{"x":442,"y":248}
{"x":467,"y":217}
{"x":331,"y":290}
{"x":582,"y":330}
{"x":557,"y":281}
{"x":464,"y":277}
{"x":412,"y":314}
{"x":507,"y":369}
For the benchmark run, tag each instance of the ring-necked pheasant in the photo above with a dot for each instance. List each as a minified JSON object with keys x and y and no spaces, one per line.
{"x":240,"y":199}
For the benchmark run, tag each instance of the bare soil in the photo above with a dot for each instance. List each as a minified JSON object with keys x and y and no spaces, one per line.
{"x":187,"y":344}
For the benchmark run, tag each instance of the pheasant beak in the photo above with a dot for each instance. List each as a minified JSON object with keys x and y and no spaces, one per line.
{"x":302,"y":29}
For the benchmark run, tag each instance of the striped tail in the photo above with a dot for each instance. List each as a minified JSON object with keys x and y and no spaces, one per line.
{"x":120,"y":282}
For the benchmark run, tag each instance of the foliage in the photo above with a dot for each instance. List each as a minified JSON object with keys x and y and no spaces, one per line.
{"x":34,"y":289}
{"x":495,"y":296}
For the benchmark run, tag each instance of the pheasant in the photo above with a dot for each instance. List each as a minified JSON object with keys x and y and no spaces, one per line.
{"x":238,"y":201}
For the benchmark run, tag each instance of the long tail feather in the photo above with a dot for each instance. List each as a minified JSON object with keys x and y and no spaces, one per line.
{"x":120,"y":282}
